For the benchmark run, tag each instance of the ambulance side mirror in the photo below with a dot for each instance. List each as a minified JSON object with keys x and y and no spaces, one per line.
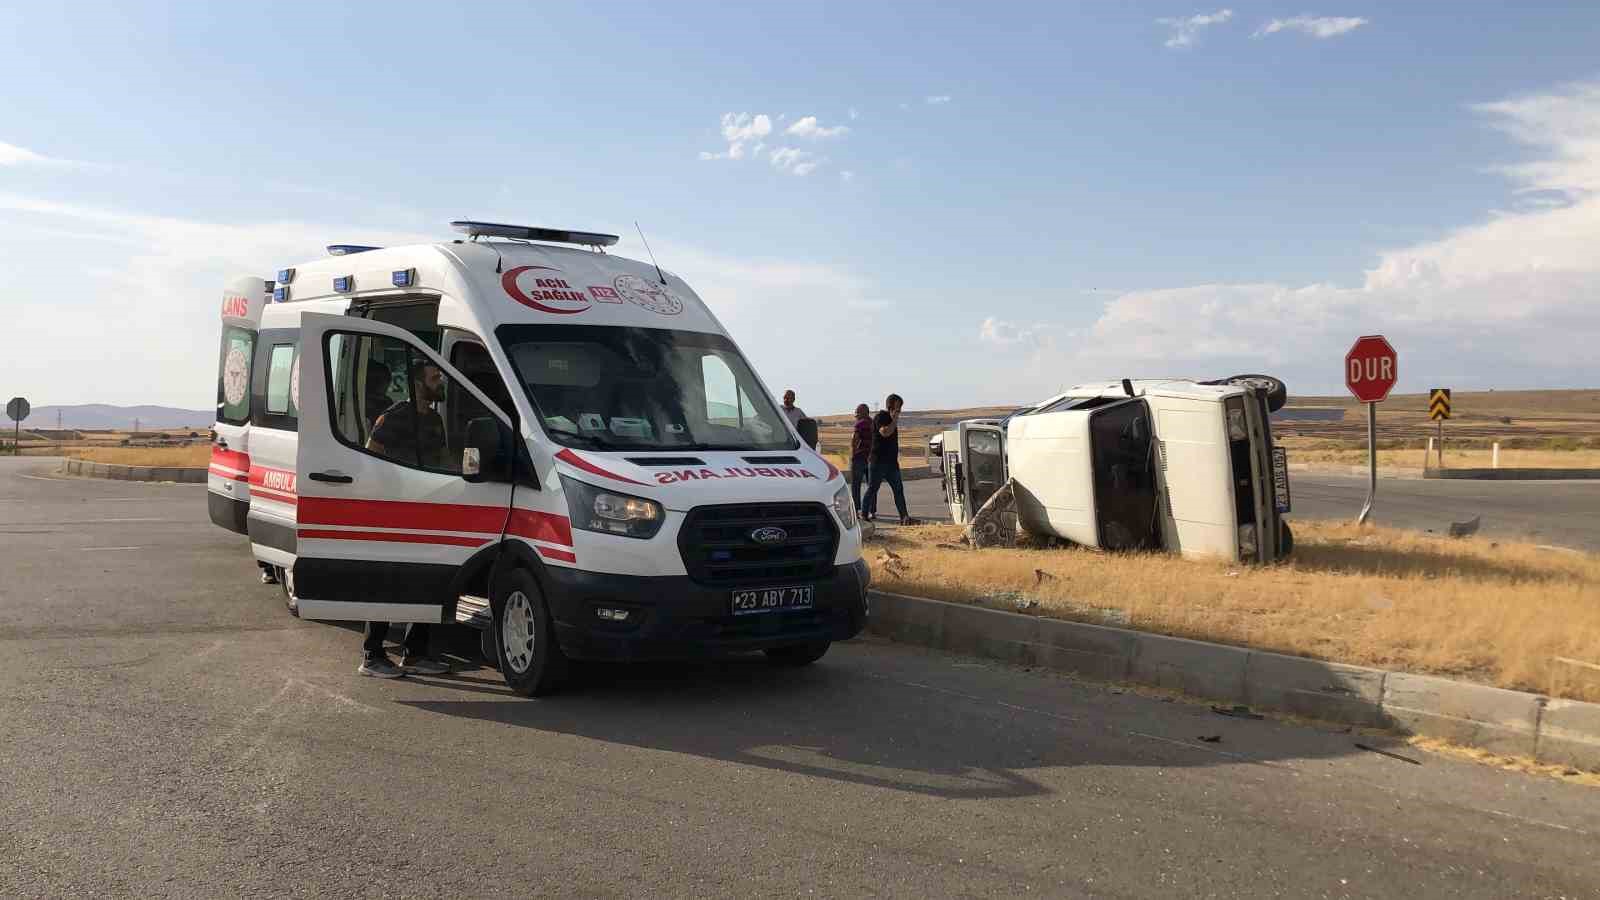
{"x":486,"y":455}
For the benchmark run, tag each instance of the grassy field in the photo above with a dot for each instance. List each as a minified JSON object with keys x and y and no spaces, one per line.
{"x":1495,"y":612}
{"x":194,"y":455}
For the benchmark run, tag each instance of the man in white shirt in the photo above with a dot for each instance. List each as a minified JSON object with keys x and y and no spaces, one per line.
{"x":793,"y":413}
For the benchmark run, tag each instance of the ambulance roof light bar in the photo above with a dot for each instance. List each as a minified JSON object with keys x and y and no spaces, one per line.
{"x":532,"y":233}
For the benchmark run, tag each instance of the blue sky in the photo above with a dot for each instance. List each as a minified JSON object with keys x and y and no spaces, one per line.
{"x":987,"y":203}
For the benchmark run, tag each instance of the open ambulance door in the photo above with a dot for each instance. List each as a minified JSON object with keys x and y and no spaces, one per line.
{"x":984,"y":463}
{"x":392,"y":501}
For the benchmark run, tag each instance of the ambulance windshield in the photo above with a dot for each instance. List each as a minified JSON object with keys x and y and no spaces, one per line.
{"x":614,"y":388}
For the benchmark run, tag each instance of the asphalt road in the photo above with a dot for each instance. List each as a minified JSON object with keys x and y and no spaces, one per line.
{"x":166,"y":729}
{"x":1563,"y":513}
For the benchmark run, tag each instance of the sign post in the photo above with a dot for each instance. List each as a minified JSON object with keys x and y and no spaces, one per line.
{"x":18,"y":410}
{"x":1438,"y":411}
{"x":1370,"y":370}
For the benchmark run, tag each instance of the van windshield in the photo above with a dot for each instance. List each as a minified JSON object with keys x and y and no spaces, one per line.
{"x":615,"y":388}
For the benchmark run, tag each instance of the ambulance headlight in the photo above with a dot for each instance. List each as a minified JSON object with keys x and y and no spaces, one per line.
{"x":843,"y":508}
{"x":607,"y":512}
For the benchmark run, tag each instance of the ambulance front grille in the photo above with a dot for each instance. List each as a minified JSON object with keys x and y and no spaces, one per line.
{"x":718,"y":547}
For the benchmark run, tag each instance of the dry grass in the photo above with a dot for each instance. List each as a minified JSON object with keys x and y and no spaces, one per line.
{"x":194,"y":455}
{"x":1498,"y":613}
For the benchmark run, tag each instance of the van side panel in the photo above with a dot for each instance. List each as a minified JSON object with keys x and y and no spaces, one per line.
{"x":1049,"y":453}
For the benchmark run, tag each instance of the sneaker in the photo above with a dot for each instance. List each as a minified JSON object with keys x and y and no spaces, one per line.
{"x":421,"y":665}
{"x":380,"y":668}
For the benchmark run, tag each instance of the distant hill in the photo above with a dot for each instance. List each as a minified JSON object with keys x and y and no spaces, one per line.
{"x":120,"y":418}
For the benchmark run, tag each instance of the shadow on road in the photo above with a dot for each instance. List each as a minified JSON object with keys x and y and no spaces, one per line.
{"x":839,"y":721}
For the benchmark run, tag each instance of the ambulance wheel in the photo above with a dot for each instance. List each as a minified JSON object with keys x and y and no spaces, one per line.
{"x":798,"y":654}
{"x":286,"y":581}
{"x":525,"y":644}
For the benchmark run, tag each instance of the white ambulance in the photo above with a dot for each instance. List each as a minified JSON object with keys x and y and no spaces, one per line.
{"x":519,"y":430}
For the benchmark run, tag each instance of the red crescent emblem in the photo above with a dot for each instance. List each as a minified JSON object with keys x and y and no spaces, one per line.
{"x":508,"y":281}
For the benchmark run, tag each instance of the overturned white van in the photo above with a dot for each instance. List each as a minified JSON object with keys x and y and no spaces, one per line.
{"x":1181,"y":466}
{"x":576,"y":456}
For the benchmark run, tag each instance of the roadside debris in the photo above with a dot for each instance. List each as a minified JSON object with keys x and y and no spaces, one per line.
{"x":1369,"y":749}
{"x":1040,"y":576}
{"x":1467,"y":528}
{"x":995,"y":523}
{"x":1210,"y":738}
{"x":1236,"y":712}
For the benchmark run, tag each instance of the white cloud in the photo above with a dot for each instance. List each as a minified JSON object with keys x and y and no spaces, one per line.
{"x":1186,"y":30}
{"x":13,"y":155}
{"x":1511,"y":298}
{"x":854,"y":114}
{"x":743,"y":127}
{"x":808,"y":128}
{"x":1319,"y":27}
{"x":847,"y":176}
{"x":1002,"y":333}
{"x":794,"y":161}
{"x":937,"y":99}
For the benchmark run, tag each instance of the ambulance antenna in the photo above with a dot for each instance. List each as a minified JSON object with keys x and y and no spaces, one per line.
{"x":651,"y":252}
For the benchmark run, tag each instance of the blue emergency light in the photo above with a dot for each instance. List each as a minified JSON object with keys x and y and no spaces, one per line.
{"x":343,"y":284}
{"x":403,"y":277}
{"x":285,"y":276}
{"x":280,"y":295}
{"x":349,"y":249}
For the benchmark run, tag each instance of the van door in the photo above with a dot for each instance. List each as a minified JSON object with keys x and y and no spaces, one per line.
{"x":387,"y":516}
{"x":984,"y":463}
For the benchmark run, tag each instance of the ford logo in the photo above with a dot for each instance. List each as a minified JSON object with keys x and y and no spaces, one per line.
{"x":771,"y":534}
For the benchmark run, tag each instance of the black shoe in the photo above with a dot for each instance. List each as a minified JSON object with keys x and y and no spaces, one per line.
{"x":380,"y":667}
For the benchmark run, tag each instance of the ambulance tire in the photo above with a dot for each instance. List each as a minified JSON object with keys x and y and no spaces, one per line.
{"x":286,"y":582}
{"x":798,"y":654}
{"x":529,"y":658}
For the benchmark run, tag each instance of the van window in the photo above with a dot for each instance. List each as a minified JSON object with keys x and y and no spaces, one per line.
{"x":283,"y":377}
{"x":388,"y":400}
{"x":233,"y":374}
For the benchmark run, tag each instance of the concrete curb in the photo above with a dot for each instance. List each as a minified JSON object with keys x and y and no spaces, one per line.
{"x":1561,"y":732}
{"x":115,"y":472}
{"x":1515,"y":474}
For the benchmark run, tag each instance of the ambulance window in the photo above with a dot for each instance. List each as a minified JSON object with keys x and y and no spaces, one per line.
{"x":233,"y":375}
{"x":723,"y":399}
{"x":282,"y":381}
{"x":400,"y":392}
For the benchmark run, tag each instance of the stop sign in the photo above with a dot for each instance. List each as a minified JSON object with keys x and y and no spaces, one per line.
{"x":1370,"y":368}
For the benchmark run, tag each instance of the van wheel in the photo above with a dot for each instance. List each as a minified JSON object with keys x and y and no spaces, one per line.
{"x":286,"y":581}
{"x":1277,"y":393}
{"x":798,"y":654}
{"x":1285,"y":541}
{"x":525,"y":644}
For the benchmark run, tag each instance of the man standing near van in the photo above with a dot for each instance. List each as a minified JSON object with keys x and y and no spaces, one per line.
{"x":410,"y":432}
{"x":791,"y":412}
{"x":860,"y":452}
{"x":885,"y":463}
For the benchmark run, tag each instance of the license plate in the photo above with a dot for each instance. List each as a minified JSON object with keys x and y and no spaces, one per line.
{"x":764,"y":600}
{"x":1280,"y":478}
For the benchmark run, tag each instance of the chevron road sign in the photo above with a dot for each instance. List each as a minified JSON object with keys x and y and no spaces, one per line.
{"x":1439,"y":404}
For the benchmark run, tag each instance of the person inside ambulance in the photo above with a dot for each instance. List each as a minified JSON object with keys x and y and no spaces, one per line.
{"x":410,"y":432}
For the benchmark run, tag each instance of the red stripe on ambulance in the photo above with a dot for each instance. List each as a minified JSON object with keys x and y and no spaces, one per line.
{"x":578,"y":462}
{"x":392,"y":537}
{"x":402,"y":514}
{"x":540,"y":526}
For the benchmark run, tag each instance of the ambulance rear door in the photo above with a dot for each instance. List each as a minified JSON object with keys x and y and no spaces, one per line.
{"x":227,"y":477}
{"x":393,"y":500}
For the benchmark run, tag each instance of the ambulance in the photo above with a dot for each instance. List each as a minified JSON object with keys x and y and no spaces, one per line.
{"x":519,"y":431}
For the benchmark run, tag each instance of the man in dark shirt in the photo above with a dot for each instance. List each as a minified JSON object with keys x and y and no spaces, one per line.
{"x":885,"y":461}
{"x":410,"y":432}
{"x":860,"y":453}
